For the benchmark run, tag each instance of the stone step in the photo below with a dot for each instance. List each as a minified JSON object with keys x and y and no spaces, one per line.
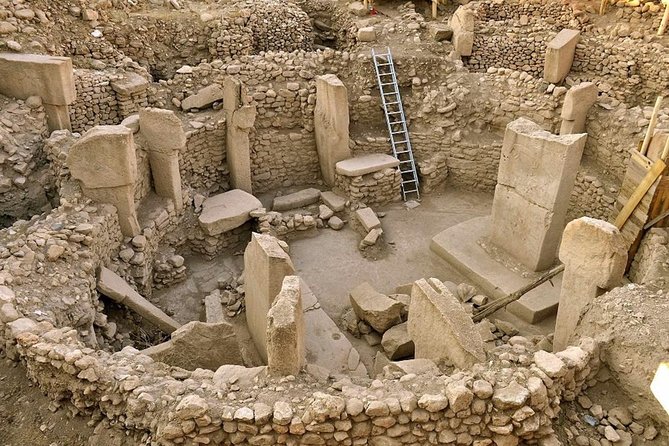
{"x":305,"y":197}
{"x":361,"y":165}
{"x":459,"y":246}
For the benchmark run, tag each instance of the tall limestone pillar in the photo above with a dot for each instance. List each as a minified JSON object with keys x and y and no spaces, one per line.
{"x":239,"y":122}
{"x":331,"y":121}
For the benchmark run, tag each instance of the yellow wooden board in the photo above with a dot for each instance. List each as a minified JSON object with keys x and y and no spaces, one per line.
{"x":639,"y":193}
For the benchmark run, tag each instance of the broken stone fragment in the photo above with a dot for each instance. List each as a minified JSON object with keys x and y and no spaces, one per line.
{"x":380,"y":311}
{"x":203,"y":98}
{"x":397,"y":343}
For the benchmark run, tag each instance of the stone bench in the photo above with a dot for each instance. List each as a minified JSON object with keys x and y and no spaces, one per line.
{"x":224,"y":221}
{"x":373,"y":179}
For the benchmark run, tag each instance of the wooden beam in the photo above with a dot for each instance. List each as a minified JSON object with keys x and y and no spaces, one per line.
{"x":653,"y":174}
{"x":665,"y":20}
{"x":651,"y":126}
{"x":435,"y":3}
{"x":602,"y":7}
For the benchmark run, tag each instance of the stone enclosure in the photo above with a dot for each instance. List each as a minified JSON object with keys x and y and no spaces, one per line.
{"x":190,"y":192}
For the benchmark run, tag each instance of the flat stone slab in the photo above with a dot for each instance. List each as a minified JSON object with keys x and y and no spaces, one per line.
{"x":333,"y":201}
{"x":368,"y":219}
{"x":227,"y":211}
{"x":325,"y":344}
{"x":113,"y":286}
{"x":378,"y":310}
{"x":305,"y":197}
{"x":459,"y":246}
{"x":361,"y":165}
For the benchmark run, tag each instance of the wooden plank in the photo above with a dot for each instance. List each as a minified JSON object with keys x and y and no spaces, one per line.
{"x":651,"y":125}
{"x":639,"y":193}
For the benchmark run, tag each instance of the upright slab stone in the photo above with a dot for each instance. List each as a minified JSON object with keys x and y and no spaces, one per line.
{"x":104,"y":161}
{"x":285,"y":330}
{"x":266,"y":264}
{"x":537,"y":171}
{"x":560,"y":55}
{"x":595,"y":255}
{"x":331,"y":124}
{"x":240,"y":120}
{"x":462,"y":23}
{"x":440,"y":328}
{"x":49,"y":77}
{"x":166,"y":138}
{"x":577,"y":102}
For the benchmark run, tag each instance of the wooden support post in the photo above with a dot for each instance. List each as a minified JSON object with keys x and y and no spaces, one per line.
{"x":435,"y":3}
{"x":602,"y":6}
{"x":665,"y":20}
{"x":655,"y":171}
{"x":665,"y":151}
{"x":651,"y":126}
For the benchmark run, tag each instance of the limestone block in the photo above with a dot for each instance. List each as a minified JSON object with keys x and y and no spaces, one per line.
{"x":595,"y":256}
{"x":333,"y":201}
{"x":236,"y":374}
{"x":378,"y":310}
{"x":104,"y":157}
{"x":199,"y":345}
{"x":358,"y":9}
{"x":434,"y":309}
{"x":368,"y":219}
{"x":162,"y":130}
{"x":285,"y":330}
{"x":227,"y":211}
{"x":361,"y":165}
{"x":537,"y":171}
{"x":577,"y":102}
{"x":331,"y":121}
{"x":49,"y":77}
{"x":203,"y":98}
{"x":366,"y":34}
{"x":267,"y":263}
{"x":418,"y":366}
{"x":117,"y":289}
{"x":440,"y":31}
{"x":560,"y":55}
{"x":299,"y":199}
{"x":397,"y":343}
{"x":462,"y":24}
{"x":214,"y":308}
{"x":131,"y":83}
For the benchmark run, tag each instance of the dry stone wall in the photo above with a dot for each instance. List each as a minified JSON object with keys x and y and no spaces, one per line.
{"x":373,"y":189}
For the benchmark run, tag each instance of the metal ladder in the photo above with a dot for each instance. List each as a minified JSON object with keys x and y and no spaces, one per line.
{"x":397,"y":126}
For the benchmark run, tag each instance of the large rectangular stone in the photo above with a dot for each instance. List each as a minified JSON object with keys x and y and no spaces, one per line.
{"x":560,"y":55}
{"x":331,"y":120}
{"x":440,"y":328}
{"x":299,"y":199}
{"x":49,"y":77}
{"x":285,"y":330}
{"x":266,"y":264}
{"x":361,"y":165}
{"x":378,"y":310}
{"x":537,"y":171}
{"x":462,"y":23}
{"x":368,"y":219}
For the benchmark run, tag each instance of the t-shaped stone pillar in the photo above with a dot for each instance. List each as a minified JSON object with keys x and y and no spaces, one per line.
{"x":165,"y":136}
{"x":331,"y":124}
{"x":577,"y":102}
{"x":105,"y":163}
{"x":594,"y":254}
{"x":239,"y":122}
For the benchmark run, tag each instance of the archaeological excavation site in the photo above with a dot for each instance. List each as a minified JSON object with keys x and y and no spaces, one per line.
{"x":334,"y":222}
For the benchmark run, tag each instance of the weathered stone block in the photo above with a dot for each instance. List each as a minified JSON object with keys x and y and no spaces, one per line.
{"x":560,"y":55}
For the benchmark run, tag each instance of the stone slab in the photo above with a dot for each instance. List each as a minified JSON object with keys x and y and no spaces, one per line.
{"x":378,"y":310}
{"x":368,"y":219}
{"x":113,"y":286}
{"x":299,"y":199}
{"x":130,"y":83}
{"x":560,"y":55}
{"x":49,"y":77}
{"x":459,"y":246}
{"x":204,"y":97}
{"x":361,"y":165}
{"x":326,"y":346}
{"x":199,"y":345}
{"x":227,"y":211}
{"x":214,"y":308}
{"x":335,"y":202}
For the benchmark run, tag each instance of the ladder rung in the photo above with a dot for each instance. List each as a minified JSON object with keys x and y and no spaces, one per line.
{"x":385,"y":74}
{"x":394,"y":113}
{"x":383,"y":64}
{"x":406,"y":171}
{"x":401,"y":152}
{"x":390,"y":92}
{"x":396,"y":122}
{"x":397,"y":133}
{"x":405,"y":161}
{"x":391,"y":103}
{"x":388,"y":83}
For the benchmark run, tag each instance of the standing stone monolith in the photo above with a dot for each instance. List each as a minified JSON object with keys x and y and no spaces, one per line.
{"x":537,"y":171}
{"x":240,"y":119}
{"x":266,"y":264}
{"x":440,"y":328}
{"x":165,"y":136}
{"x":595,"y":256}
{"x":331,"y":121}
{"x":286,"y":354}
{"x":577,"y":102}
{"x":462,"y":23}
{"x":103,"y":159}
{"x":560,"y":55}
